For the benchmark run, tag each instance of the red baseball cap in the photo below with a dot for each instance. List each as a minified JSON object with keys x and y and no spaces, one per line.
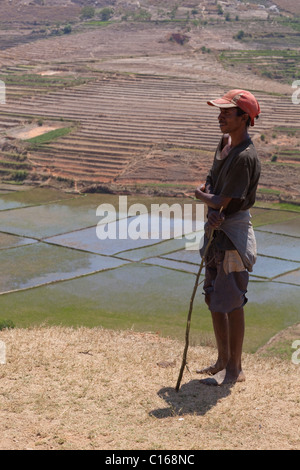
{"x":239,"y":99}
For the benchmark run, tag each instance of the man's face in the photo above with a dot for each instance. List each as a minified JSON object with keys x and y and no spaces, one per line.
{"x":229,"y":121}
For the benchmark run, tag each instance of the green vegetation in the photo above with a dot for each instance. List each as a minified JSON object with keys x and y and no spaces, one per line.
{"x":137,"y":15}
{"x":67,"y":29}
{"x":220,"y":9}
{"x":287,"y":155}
{"x":14,"y":165}
{"x":293,"y":23}
{"x":13,"y":175}
{"x":290,"y":131}
{"x":49,"y":136}
{"x":240,"y":35}
{"x":106,"y":13}
{"x":277,"y":206}
{"x":26,"y":83}
{"x":84,"y":301}
{"x":100,"y":23}
{"x":288,"y":207}
{"x":269,"y":191}
{"x":87,"y":12}
{"x":6,"y":324}
{"x":95,"y":299}
{"x":282,"y":65}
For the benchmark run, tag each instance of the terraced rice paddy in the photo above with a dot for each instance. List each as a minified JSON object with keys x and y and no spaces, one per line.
{"x":56,"y":271}
{"x":282,"y":65}
{"x":119,"y":120}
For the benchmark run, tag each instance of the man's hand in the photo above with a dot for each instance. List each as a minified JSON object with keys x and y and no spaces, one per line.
{"x":199,"y":190}
{"x":215,"y":219}
{"x":213,"y":201}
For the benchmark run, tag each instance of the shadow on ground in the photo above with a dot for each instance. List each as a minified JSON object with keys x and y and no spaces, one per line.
{"x":192,"y":398}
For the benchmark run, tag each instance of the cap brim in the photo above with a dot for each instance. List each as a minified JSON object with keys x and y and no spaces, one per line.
{"x":220,"y":103}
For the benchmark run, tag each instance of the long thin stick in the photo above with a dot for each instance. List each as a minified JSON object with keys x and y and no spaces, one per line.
{"x":188,"y":325}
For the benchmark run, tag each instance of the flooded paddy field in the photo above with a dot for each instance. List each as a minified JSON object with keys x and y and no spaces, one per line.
{"x":56,"y":270}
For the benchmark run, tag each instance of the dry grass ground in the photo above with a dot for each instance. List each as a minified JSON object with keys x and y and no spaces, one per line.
{"x":98,"y":389}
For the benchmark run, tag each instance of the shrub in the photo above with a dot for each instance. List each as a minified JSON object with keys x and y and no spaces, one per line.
{"x":220,"y":9}
{"x":67,"y":29}
{"x":106,"y":13}
{"x":142,"y":15}
{"x":179,"y":38}
{"x":240,"y":35}
{"x":20,"y":175}
{"x":87,"y":12}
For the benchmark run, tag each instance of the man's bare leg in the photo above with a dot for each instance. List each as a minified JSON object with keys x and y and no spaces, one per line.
{"x":236,"y":338}
{"x":221,"y":330}
{"x":232,"y":372}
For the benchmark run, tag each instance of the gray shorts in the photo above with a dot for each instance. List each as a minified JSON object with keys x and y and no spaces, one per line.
{"x":226,"y":281}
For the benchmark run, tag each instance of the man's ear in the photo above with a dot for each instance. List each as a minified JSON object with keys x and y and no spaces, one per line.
{"x":245,"y":118}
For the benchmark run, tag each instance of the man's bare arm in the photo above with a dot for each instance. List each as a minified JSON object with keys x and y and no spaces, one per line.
{"x":213,"y":201}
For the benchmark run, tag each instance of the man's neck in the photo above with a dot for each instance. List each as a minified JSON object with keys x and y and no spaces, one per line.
{"x":238,"y":137}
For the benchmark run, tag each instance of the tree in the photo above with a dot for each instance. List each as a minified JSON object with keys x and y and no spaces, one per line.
{"x":106,"y":13}
{"x":87,"y":12}
{"x":240,"y":35}
{"x":67,"y":29}
{"x":220,"y":9}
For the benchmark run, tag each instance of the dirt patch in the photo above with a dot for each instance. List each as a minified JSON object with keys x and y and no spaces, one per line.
{"x":17,"y":11}
{"x":292,"y":6}
{"x":36,"y":131}
{"x":30,"y":131}
{"x":49,"y":72}
{"x":98,"y":389}
{"x":168,"y":166}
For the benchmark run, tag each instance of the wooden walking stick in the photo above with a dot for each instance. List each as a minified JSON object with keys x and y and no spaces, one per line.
{"x":188,"y":324}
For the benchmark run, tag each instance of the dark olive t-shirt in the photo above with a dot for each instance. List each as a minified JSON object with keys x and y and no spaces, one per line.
{"x":236,"y":177}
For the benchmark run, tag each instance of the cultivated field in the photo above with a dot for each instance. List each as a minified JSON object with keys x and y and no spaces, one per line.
{"x":133,"y":102}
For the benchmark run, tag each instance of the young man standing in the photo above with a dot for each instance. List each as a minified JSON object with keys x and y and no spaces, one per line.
{"x":229,"y":192}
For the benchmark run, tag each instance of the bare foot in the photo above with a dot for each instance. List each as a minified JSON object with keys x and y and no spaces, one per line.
{"x":211,"y":370}
{"x":224,"y":377}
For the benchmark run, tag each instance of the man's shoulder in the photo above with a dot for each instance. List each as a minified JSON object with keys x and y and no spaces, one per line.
{"x":247,"y":152}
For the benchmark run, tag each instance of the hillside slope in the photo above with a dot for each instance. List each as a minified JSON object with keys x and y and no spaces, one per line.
{"x":98,"y":389}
